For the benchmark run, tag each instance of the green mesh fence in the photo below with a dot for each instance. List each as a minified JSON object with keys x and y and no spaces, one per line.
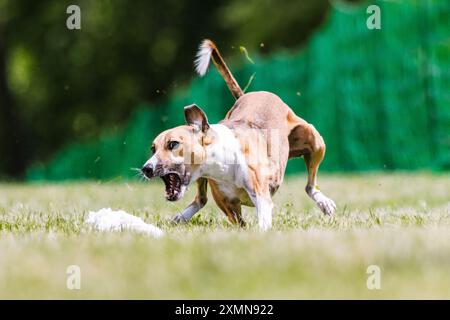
{"x":380,"y":98}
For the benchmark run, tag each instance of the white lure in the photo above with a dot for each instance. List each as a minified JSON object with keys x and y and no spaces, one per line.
{"x":109,"y":220}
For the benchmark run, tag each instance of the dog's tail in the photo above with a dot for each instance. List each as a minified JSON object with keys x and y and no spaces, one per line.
{"x":208,"y":50}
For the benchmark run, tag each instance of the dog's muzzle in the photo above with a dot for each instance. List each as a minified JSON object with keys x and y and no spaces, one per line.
{"x":174,"y":182}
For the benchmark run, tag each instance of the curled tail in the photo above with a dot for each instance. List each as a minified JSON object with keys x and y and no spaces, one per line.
{"x":208,"y":50}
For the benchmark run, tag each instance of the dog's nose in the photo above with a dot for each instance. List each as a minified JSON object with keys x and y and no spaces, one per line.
{"x":147,"y":170}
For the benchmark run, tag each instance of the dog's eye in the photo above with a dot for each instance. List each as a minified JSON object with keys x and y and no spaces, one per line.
{"x":153,"y":149}
{"x":173,"y":145}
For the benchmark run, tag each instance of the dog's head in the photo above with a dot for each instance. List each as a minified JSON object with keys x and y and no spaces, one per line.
{"x":178,"y":153}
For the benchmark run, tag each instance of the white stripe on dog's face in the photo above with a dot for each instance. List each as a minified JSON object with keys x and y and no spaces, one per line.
{"x":153,"y":161}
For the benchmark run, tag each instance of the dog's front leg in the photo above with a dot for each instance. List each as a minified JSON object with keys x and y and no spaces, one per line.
{"x":264,"y":205}
{"x":199,"y":202}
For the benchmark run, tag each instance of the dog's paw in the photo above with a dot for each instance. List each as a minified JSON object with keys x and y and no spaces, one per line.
{"x":265,"y":225}
{"x":325,"y":204}
{"x":179,"y":218}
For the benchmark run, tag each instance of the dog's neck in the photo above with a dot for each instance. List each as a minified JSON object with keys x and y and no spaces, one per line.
{"x":224,"y":160}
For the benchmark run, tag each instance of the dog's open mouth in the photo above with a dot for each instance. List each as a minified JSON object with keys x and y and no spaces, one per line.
{"x":173,"y":186}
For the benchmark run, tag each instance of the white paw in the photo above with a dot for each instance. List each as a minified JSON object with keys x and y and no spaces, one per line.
{"x":179,"y":218}
{"x":264,"y":225}
{"x":264,"y":212}
{"x":325,"y":204}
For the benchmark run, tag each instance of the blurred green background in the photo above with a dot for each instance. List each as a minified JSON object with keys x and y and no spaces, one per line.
{"x":85,"y":104}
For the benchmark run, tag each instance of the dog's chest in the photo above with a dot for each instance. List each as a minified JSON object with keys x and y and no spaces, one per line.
{"x":225,"y":161}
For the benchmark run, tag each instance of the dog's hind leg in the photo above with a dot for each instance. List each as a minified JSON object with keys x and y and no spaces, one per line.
{"x":312,"y":162}
{"x":199,"y":202}
{"x":305,"y":140}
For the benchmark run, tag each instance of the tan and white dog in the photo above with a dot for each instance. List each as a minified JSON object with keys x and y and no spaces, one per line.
{"x":243,"y":158}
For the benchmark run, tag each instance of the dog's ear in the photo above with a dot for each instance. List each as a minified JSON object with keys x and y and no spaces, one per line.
{"x":196,"y":117}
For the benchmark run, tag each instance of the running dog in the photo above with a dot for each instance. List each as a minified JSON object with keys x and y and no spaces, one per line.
{"x":243,"y":158}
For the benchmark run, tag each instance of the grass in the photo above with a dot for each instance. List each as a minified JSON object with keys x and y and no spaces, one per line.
{"x":399,"y":222}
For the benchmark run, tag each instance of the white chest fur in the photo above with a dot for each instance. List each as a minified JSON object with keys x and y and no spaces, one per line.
{"x":225,"y":161}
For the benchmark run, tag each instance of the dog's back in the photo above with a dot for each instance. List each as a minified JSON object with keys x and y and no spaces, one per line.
{"x":259,"y":110}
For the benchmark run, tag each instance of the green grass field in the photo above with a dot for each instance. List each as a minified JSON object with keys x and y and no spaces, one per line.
{"x":399,"y":222}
